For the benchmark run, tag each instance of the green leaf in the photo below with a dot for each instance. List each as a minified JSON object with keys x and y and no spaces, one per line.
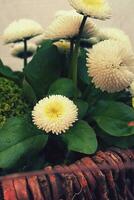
{"x":121,"y":142}
{"x":81,"y":138}
{"x":44,"y":68}
{"x":62,"y":86}
{"x":29,"y":93}
{"x":7,"y":72}
{"x":82,"y":68}
{"x":19,"y":138}
{"x":82,"y":107}
{"x":113,"y":118}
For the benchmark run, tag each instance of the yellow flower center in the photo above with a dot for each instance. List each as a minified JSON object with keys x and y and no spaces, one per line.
{"x":63,"y":44}
{"x":133,"y":102}
{"x":54,"y":110}
{"x":96,"y":3}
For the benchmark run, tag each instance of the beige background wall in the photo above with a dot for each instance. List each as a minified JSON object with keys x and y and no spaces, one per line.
{"x":44,"y":10}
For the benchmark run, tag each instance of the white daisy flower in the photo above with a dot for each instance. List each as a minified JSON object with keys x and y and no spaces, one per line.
{"x":111,"y":66}
{"x":20,"y":30}
{"x":115,"y":34}
{"x":93,"y":8}
{"x":66,"y":25}
{"x":18,"y":50}
{"x":38,"y":40}
{"x":55,"y":114}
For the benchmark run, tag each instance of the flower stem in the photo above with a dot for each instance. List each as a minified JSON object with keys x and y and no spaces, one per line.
{"x":74,"y":58}
{"x":70,"y":56}
{"x":25,"y":52}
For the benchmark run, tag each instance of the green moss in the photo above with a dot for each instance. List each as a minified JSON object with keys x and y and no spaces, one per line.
{"x":12,"y":102}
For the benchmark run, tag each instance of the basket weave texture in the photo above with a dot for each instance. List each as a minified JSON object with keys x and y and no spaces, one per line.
{"x":106,"y":176}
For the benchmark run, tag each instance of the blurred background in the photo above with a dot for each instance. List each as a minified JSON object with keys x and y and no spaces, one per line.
{"x":43,"y":11}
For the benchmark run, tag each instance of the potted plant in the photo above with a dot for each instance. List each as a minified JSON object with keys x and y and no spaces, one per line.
{"x":73,"y":99}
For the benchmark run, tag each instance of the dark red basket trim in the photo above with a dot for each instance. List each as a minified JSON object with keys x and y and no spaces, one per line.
{"x":122,"y":154}
{"x":1,"y":192}
{"x":44,"y":187}
{"x":90,"y":178}
{"x":122,"y":176}
{"x":77,"y":190}
{"x":106,"y":176}
{"x":130,"y":171}
{"x":66,"y":186}
{"x":112,"y":193}
{"x":9,"y":191}
{"x":99,"y":176}
{"x":53,"y":182}
{"x":34,"y":187}
{"x":110,"y":172}
{"x":18,"y":184}
{"x":82,"y":180}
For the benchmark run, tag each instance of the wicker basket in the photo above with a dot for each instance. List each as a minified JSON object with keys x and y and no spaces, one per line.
{"x":106,"y":176}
